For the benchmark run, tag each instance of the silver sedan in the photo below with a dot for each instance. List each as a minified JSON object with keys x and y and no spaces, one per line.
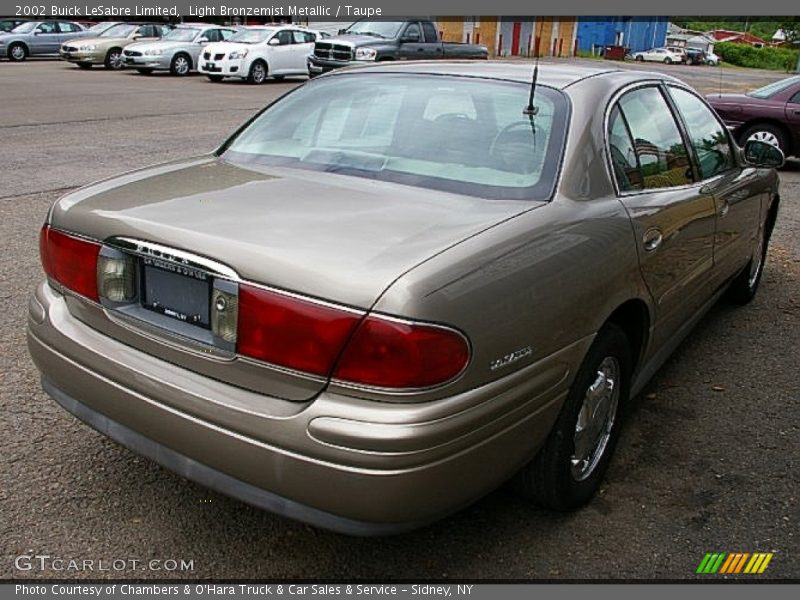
{"x":177,"y":52}
{"x":38,"y":38}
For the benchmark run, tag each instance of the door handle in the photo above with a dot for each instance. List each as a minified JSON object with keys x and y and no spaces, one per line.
{"x":652,"y":239}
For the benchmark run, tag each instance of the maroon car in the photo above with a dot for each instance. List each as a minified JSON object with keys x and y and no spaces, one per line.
{"x":770,"y":114}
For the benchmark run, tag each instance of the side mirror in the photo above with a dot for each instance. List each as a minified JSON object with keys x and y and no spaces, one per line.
{"x":342,"y":31}
{"x":764,"y":155}
{"x":409,"y":38}
{"x":274,"y":42}
{"x":202,"y":40}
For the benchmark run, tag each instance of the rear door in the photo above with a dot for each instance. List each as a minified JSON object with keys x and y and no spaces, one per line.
{"x":435,"y":48}
{"x":302,"y":47}
{"x":46,"y":38}
{"x":279,"y":56}
{"x":68,"y":31}
{"x":147,"y":33}
{"x":673,"y":216}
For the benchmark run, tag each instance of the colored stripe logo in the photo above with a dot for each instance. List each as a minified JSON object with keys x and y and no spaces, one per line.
{"x":734,"y":563}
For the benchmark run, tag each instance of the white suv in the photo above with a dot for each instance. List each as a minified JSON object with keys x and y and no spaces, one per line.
{"x":256,"y":53}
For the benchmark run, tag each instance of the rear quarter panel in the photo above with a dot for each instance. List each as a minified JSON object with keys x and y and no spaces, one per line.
{"x":546,"y":279}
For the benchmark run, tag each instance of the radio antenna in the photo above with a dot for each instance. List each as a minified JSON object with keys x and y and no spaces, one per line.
{"x":531,"y":110}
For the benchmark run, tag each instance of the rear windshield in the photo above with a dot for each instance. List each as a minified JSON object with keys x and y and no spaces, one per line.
{"x":460,"y":134}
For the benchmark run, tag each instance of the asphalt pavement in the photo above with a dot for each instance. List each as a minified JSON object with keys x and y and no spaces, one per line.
{"x":707,"y":461}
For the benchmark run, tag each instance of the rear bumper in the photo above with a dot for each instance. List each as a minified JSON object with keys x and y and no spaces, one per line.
{"x":393,"y":467}
{"x":214,"y":479}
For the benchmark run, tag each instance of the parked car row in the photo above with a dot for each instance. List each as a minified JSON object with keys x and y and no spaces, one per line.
{"x":676,"y":54}
{"x":106,"y":48}
{"x":253,"y":53}
{"x":38,"y":38}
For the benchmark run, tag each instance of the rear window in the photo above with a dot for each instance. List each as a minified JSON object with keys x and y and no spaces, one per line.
{"x":457,"y":134}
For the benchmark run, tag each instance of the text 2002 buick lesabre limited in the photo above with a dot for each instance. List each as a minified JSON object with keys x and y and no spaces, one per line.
{"x":400,"y":285}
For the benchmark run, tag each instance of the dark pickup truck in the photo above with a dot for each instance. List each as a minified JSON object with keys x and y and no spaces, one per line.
{"x":371,"y":41}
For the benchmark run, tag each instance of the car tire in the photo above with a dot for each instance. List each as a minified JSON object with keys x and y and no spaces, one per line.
{"x":181,"y":65}
{"x":562,"y":476}
{"x":258,"y":72}
{"x":84,"y":65}
{"x":765,"y":132}
{"x":145,"y":71}
{"x":214,"y":78}
{"x":668,"y":61}
{"x":17,"y":52}
{"x":744,"y":287}
{"x":114,"y":61}
{"x":639,"y":58}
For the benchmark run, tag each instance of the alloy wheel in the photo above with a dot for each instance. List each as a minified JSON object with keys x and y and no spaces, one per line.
{"x":596,"y":418}
{"x":259,"y":74}
{"x":115,"y":60}
{"x":765,"y":136}
{"x":181,"y":65}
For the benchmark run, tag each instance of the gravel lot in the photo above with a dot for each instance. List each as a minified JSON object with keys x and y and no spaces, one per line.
{"x":708,"y":460}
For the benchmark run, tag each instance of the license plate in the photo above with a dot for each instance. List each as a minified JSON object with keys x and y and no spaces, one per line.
{"x":176,"y":291}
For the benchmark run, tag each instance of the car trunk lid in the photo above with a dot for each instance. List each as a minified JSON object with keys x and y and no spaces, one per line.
{"x":337,"y":238}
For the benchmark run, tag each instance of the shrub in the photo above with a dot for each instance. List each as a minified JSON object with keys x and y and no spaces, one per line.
{"x":768,"y":57}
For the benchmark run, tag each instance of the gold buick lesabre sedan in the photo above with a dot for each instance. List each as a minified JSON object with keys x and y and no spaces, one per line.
{"x":106,"y":48}
{"x":401,"y":285}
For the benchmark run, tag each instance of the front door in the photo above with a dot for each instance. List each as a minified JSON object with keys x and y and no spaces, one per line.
{"x":738,"y":200}
{"x":673,"y":216}
{"x":412,"y":44}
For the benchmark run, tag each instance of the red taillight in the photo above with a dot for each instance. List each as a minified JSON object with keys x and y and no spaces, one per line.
{"x":71,"y":261}
{"x":382,"y":352}
{"x":291,"y":332}
{"x":394,"y":354}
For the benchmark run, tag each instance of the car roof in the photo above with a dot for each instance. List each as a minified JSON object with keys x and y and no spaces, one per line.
{"x":559,"y":76}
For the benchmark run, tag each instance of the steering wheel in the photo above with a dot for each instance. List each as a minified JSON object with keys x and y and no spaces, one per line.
{"x":515,"y":135}
{"x":455,"y":117}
